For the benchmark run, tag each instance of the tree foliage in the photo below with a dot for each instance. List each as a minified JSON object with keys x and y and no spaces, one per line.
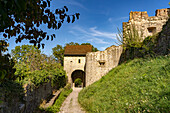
{"x":58,"y":52}
{"x":23,"y":18}
{"x":35,"y":68}
{"x":6,"y":64}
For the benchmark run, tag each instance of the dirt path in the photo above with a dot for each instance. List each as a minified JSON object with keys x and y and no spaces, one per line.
{"x":71,"y":104}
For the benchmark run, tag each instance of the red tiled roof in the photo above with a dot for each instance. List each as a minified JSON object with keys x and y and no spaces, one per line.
{"x":77,"y":49}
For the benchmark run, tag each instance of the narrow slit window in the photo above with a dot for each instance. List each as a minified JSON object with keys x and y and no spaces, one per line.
{"x":79,"y":61}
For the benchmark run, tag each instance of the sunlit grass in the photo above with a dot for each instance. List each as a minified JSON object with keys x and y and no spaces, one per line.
{"x":140,"y":85}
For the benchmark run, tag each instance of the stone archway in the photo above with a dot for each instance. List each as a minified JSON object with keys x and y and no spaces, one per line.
{"x":78,"y":74}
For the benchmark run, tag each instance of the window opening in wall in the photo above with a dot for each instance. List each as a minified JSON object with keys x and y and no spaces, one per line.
{"x":101,"y":63}
{"x":71,"y":61}
{"x":79,"y":61}
{"x":152,"y":30}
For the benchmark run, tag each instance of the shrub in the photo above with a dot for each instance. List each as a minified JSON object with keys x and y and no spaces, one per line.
{"x":78,"y":82}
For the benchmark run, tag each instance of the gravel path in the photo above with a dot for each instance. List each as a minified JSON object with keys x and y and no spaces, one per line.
{"x":71,"y":104}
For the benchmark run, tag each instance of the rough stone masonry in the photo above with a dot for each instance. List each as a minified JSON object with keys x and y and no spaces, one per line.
{"x":145,"y":25}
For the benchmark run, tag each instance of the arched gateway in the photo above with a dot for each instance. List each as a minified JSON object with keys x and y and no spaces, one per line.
{"x":78,"y":74}
{"x":75,"y":61}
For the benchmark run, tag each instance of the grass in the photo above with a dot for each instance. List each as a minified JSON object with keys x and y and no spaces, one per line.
{"x":59,"y":101}
{"x":140,"y":85}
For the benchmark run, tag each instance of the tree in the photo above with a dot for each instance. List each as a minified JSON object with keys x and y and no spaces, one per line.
{"x":6,"y":64}
{"x":58,"y":51}
{"x":30,"y":56}
{"x":35,"y":68}
{"x":21,"y":52}
{"x":24,"y":17}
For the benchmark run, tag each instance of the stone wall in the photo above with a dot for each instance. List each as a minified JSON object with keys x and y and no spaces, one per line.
{"x":10,"y":102}
{"x":72,"y":63}
{"x":163,"y":44}
{"x":34,"y":96}
{"x":32,"y":99}
{"x":145,"y":25}
{"x":100,"y":63}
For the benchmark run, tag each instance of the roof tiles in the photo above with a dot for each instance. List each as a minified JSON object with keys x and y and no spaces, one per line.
{"x":77,"y":49}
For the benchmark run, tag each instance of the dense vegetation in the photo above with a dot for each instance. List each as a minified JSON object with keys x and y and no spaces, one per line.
{"x":8,"y":86}
{"x":58,"y":103}
{"x":33,"y":67}
{"x":140,"y":85}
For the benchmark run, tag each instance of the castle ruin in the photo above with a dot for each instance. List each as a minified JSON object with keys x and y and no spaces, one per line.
{"x":81,"y":62}
{"x":145,"y":25}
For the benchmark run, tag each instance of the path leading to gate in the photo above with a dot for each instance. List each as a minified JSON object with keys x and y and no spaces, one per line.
{"x":71,"y":104}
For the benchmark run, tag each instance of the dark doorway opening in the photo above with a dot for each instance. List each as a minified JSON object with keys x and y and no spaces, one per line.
{"x":78,"y":78}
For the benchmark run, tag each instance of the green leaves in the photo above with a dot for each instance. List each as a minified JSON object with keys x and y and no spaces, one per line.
{"x":77,"y":15}
{"x":6,"y":64}
{"x":35,"y":67}
{"x":68,"y":19}
{"x":23,"y":18}
{"x":59,"y":25}
{"x":73,"y":18}
{"x":66,"y":8}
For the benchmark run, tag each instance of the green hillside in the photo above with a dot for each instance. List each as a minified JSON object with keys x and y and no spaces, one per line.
{"x":140,"y":85}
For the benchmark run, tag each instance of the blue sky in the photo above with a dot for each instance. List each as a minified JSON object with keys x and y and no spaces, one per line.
{"x":98,"y":23}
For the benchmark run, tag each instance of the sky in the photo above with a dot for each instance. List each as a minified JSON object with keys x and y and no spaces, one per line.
{"x":98,"y":23}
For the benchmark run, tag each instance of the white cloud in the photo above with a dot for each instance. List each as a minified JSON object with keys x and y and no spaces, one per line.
{"x":93,"y":32}
{"x":102,"y":38}
{"x":93,"y":35}
{"x":97,"y":40}
{"x":102,"y":33}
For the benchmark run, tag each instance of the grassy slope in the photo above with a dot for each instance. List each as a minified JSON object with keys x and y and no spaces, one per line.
{"x":140,"y":85}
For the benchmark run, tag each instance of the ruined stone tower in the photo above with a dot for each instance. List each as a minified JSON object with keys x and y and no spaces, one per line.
{"x":145,"y":25}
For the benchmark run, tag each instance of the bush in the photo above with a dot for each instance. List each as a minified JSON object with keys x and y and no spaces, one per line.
{"x":78,"y":82}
